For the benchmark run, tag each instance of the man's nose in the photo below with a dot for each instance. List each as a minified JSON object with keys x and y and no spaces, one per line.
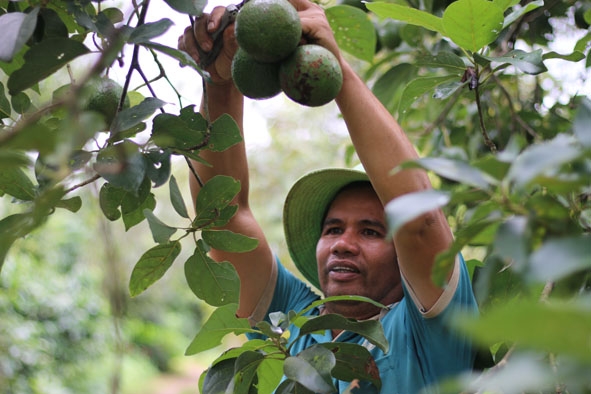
{"x":345,"y":243}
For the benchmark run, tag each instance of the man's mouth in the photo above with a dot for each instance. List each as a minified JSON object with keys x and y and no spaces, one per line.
{"x":343,"y":269}
{"x":342,"y":272}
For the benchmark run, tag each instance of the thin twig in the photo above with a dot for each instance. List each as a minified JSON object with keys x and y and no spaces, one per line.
{"x":195,"y":174}
{"x":82,"y":184}
{"x":488,"y":142}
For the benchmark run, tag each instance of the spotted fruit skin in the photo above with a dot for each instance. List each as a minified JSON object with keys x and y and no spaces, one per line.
{"x":311,"y":76}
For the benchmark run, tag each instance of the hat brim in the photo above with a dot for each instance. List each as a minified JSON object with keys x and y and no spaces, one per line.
{"x":303,"y":211}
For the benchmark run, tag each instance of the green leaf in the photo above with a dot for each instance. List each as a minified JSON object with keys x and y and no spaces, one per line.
{"x":169,"y":131}
{"x":20,"y":103}
{"x":518,"y":12}
{"x":12,"y":228}
{"x":311,"y":368}
{"x":229,"y":241}
{"x":161,"y":232}
{"x":215,"y":195}
{"x":71,"y":204}
{"x":194,"y":7}
{"x":136,"y":216}
{"x":389,"y":86}
{"x":44,"y":59}
{"x":473,"y":24}
{"x":289,"y":386}
{"x":270,"y":374}
{"x":540,"y":158}
{"x":560,"y":257}
{"x":456,"y":170}
{"x":338,"y":298}
{"x":574,"y":56}
{"x":111,"y":198}
{"x":511,"y":242}
{"x":443,"y":59}
{"x":444,"y":261}
{"x":176,"y":198}
{"x":122,"y":165}
{"x":581,"y":45}
{"x":17,"y":28}
{"x":419,"y":86}
{"x":113,"y":14}
{"x":34,"y":137}
{"x":245,"y":371}
{"x":215,"y":283}
{"x":582,"y":123}
{"x":535,"y":325}
{"x":219,"y":378}
{"x":224,"y":134}
{"x":353,"y":361}
{"x":372,"y":330}
{"x":147,"y":31}
{"x":5,"y":109}
{"x":505,"y":4}
{"x":528,"y":62}
{"x":131,"y":117}
{"x":353,"y":30}
{"x":446,"y":90}
{"x":269,"y":330}
{"x":152,"y":266}
{"x":407,"y":14}
{"x":183,"y":57}
{"x":409,"y":206}
{"x":15,"y":182}
{"x":223,"y":321}
{"x":158,"y":166}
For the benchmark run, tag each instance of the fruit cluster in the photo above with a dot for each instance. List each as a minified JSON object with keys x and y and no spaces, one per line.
{"x":270,"y":60}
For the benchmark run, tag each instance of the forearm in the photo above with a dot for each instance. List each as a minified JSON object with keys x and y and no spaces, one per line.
{"x":218,"y":100}
{"x":382,"y":145}
{"x":380,"y":142}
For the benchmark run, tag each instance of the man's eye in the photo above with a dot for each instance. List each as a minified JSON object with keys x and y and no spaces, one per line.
{"x":372,"y":233}
{"x":332,"y":230}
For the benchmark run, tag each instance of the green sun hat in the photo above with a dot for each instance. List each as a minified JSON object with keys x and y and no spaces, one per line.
{"x":304,"y":209}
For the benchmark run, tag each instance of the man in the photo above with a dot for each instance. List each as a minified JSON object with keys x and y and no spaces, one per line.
{"x":336,"y":229}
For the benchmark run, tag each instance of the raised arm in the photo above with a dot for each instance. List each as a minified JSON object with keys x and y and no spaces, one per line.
{"x":382,"y":145}
{"x":222,"y":97}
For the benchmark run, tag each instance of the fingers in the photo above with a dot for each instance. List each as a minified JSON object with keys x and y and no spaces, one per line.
{"x":315,"y":26}
{"x":201,"y":34}
{"x":301,"y":5}
{"x":188,"y":44}
{"x":215,"y":18}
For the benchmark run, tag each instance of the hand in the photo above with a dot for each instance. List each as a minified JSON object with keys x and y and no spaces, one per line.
{"x":198,"y":38}
{"x":315,"y":26}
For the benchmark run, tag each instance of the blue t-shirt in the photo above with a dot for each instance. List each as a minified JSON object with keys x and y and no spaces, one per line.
{"x":422,"y":350}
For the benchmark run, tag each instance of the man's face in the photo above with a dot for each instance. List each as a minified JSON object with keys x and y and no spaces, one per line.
{"x":355,"y":256}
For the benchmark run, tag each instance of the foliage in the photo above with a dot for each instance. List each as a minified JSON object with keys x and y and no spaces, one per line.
{"x":508,"y":147}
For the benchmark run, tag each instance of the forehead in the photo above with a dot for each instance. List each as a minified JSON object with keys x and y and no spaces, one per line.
{"x":358,"y":198}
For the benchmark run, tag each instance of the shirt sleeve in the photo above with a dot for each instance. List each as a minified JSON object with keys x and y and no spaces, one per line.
{"x":441,"y":351}
{"x":284,"y":293}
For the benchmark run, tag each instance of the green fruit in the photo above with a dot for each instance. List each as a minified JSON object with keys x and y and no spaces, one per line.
{"x":389,"y":34}
{"x":104,"y":96}
{"x":311,"y":76}
{"x":255,"y":79}
{"x":269,"y":30}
